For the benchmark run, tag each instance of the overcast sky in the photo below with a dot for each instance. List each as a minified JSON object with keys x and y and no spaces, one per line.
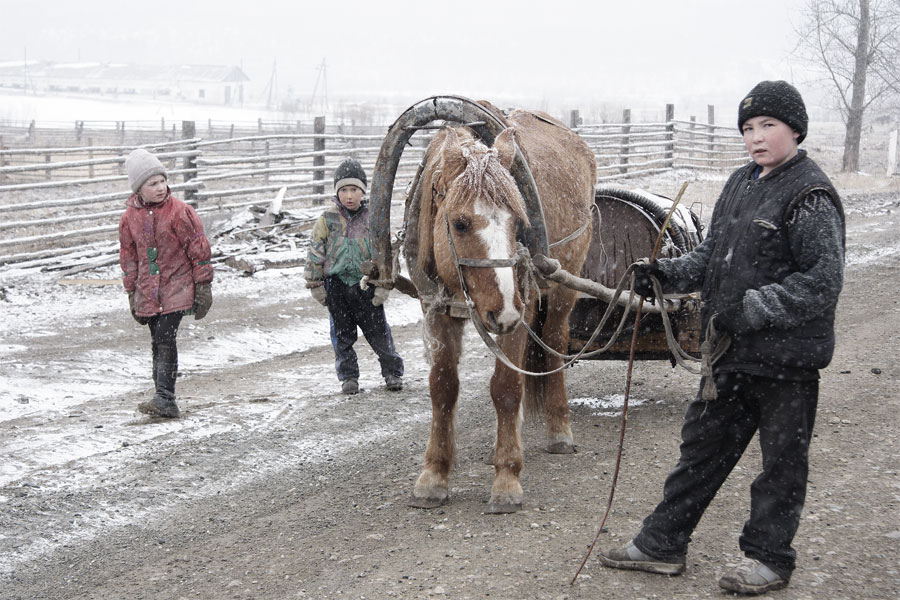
{"x":547,"y":51}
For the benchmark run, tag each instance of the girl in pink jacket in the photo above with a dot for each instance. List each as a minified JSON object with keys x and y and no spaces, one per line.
{"x":165,"y":258}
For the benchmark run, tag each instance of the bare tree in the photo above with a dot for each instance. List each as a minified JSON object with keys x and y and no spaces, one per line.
{"x":856,"y":43}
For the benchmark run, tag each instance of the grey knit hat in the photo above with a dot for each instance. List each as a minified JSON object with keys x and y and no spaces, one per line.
{"x":777,"y":99}
{"x":141,"y":166}
{"x":349,"y":172}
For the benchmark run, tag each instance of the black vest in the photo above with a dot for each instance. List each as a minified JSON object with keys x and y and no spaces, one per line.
{"x":752,"y":250}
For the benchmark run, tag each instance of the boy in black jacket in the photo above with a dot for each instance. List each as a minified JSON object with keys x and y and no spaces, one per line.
{"x":770,"y":271}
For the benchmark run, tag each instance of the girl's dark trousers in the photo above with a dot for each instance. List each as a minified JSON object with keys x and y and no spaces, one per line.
{"x":163,"y":330}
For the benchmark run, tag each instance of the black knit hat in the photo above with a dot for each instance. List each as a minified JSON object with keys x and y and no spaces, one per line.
{"x":777,"y":99}
{"x":349,"y":172}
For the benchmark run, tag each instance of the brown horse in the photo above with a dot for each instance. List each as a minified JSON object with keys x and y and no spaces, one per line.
{"x":469,"y":207}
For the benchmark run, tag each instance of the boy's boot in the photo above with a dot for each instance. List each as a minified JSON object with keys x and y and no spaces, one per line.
{"x":350,"y":386}
{"x":163,"y":402}
{"x":753,"y":578}
{"x":629,"y":557}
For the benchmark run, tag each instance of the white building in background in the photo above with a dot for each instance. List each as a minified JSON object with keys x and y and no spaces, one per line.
{"x":206,"y":84}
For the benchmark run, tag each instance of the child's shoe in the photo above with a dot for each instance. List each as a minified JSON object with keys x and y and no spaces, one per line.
{"x":160,"y":406}
{"x":752,"y":577}
{"x":629,"y":557}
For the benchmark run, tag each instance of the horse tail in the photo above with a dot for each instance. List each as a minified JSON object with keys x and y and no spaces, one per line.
{"x":535,"y":361}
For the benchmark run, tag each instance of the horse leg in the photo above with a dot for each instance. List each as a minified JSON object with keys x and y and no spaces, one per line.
{"x":506,"y":393}
{"x":556,"y":402}
{"x":444,"y":341}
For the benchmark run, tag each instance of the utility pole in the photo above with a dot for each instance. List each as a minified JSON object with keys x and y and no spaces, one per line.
{"x":323,"y":78}
{"x":273,"y":86}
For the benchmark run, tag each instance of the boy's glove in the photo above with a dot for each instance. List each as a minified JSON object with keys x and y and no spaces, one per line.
{"x":732,"y":319}
{"x":381,"y":294}
{"x":643,"y":285}
{"x":140,"y":320}
{"x":319,"y":295}
{"x":202,"y":300}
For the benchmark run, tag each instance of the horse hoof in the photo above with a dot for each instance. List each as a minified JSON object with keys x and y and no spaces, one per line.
{"x":503,"y":508}
{"x":561,"y":448}
{"x":417,"y":502}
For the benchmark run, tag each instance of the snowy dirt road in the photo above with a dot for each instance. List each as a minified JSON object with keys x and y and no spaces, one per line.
{"x":273,"y":485}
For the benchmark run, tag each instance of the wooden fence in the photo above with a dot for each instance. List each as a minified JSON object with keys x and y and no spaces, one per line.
{"x":61,"y":188}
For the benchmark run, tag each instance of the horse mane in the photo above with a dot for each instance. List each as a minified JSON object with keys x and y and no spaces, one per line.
{"x":484,"y":176}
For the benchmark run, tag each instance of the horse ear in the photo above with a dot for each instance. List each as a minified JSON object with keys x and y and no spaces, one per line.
{"x":453,"y":158}
{"x":505,"y":144}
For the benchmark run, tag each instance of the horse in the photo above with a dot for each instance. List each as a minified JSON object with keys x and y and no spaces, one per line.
{"x":463,"y":239}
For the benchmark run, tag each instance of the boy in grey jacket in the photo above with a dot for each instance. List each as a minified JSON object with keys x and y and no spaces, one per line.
{"x":338,"y":246}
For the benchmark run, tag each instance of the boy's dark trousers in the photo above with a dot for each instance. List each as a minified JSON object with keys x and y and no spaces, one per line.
{"x":714,"y":436}
{"x":351,"y":307}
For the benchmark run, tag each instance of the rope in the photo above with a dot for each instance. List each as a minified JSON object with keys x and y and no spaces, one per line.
{"x":637,"y":321}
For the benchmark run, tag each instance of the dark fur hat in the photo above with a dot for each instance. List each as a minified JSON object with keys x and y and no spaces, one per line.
{"x":777,"y":99}
{"x":349,"y":172}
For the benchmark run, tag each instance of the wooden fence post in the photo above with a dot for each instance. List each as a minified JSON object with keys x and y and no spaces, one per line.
{"x":79,"y":129}
{"x":90,"y":157}
{"x":259,"y":126}
{"x":188,"y":131}
{"x":48,"y":160}
{"x":892,"y":153}
{"x":626,"y":140}
{"x":711,"y":120}
{"x":2,"y":156}
{"x":31,"y":131}
{"x":691,"y":135}
{"x":319,"y":160}
{"x":670,"y":136}
{"x":574,"y":119}
{"x":266,"y":164}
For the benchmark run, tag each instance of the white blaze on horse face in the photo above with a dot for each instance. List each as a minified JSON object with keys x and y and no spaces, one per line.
{"x":496,"y":239}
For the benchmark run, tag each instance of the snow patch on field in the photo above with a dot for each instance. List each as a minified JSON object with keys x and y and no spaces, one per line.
{"x":607,"y":406}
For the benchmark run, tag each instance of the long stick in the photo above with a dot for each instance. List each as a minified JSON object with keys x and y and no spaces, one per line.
{"x":637,"y":322}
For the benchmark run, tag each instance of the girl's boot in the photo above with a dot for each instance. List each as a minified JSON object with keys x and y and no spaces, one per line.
{"x":163,"y":402}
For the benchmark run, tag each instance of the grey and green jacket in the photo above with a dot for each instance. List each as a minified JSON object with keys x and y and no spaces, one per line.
{"x":338,"y":246}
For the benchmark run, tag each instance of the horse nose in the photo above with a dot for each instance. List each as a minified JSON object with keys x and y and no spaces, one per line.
{"x":492,"y":325}
{"x":497,"y":324}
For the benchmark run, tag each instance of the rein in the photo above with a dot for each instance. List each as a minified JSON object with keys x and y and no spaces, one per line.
{"x":637,"y":320}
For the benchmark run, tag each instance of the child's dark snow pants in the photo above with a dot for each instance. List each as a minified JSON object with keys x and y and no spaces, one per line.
{"x":714,"y":436}
{"x":351,"y":307}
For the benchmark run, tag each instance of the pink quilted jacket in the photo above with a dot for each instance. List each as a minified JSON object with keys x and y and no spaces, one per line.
{"x":163,"y":253}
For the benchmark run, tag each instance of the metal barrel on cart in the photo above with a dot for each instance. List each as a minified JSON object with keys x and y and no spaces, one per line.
{"x":626,"y":225}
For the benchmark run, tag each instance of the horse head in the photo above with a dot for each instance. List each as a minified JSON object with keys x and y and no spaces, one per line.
{"x":478,"y":209}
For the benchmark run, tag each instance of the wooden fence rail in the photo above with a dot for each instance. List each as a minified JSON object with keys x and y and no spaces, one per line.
{"x":254,"y":161}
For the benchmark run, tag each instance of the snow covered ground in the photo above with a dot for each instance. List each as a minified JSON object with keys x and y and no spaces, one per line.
{"x":64,"y":345}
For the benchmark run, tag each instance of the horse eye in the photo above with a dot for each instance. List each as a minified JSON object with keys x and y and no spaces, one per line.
{"x":461,"y":224}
